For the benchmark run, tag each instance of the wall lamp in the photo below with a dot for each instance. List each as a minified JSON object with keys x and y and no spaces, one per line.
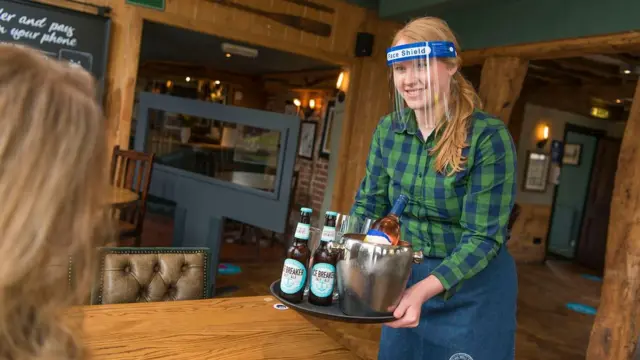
{"x":308,"y":110}
{"x":542,"y":135}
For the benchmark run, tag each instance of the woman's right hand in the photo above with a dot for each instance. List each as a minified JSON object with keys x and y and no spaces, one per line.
{"x":409,"y":308}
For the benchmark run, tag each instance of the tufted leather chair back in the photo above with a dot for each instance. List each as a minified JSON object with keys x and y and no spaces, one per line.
{"x":128,"y":275}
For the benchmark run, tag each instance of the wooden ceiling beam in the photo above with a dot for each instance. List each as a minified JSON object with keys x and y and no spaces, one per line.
{"x":554,"y":68}
{"x":568,"y":98}
{"x":626,"y":58}
{"x":174,"y":69}
{"x":608,"y":93}
{"x":303,"y":74}
{"x":565,"y":48}
{"x":563,"y":76}
{"x":589,"y":66}
{"x":540,"y":74}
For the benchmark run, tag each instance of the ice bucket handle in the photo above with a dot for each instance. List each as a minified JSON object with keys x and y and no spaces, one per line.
{"x":418,"y":256}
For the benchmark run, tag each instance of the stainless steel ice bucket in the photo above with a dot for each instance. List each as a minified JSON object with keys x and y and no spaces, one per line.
{"x":371,"y":277}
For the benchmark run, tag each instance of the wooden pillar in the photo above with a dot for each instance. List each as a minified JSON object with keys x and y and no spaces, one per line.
{"x":367,"y":102}
{"x":122,"y":71}
{"x":617,"y":323}
{"x":500,"y":84}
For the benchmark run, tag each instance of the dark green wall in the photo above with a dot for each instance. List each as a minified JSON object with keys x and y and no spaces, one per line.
{"x":489,"y":23}
{"x":523,"y":21}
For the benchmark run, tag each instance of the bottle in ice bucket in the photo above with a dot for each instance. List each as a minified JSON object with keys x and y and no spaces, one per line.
{"x":323,"y":272}
{"x":294,"y":272}
{"x":386,"y":230}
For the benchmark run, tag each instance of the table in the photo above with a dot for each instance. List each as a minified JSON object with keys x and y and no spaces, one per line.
{"x":223,"y":328}
{"x":121,"y":196}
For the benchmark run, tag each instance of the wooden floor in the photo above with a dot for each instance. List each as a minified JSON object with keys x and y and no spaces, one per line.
{"x":546,"y":328}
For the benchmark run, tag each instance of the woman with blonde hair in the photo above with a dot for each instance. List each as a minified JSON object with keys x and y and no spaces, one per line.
{"x":455,"y":165}
{"x":53,"y":180}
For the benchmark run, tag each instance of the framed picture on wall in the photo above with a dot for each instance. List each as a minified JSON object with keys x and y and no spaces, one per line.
{"x":536,"y":171}
{"x":307,"y":139}
{"x":325,"y":144}
{"x":572,"y":154}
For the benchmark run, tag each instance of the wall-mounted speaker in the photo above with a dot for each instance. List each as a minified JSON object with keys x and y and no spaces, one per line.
{"x":364,"y":44}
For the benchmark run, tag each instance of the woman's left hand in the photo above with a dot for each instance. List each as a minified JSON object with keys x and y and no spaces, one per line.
{"x":408,"y":310}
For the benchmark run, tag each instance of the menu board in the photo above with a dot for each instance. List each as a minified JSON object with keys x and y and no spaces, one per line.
{"x":78,"y":37}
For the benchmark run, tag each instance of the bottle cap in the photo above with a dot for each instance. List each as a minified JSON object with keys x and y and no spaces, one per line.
{"x":332,"y":213}
{"x":306,"y":210}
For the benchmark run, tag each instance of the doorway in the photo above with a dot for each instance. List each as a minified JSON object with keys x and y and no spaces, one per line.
{"x":595,"y":224}
{"x":581,"y":201}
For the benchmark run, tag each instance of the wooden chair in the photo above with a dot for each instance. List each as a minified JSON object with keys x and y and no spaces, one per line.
{"x":132,"y":170}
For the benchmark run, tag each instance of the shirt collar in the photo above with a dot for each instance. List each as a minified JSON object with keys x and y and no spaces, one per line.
{"x":405,"y":122}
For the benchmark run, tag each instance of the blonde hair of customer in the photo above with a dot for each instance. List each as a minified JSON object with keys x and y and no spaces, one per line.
{"x":463,"y":98}
{"x":53,"y":180}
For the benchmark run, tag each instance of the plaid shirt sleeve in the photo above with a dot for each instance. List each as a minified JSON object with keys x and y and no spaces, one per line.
{"x":371,"y":200}
{"x":486,"y":207}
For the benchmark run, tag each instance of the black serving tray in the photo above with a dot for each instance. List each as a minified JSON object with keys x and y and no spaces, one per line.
{"x":332,"y":312}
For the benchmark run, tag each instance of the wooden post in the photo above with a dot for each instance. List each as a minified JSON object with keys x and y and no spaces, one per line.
{"x":367,"y":102}
{"x":122,"y":71}
{"x":500,"y":84}
{"x":617,"y":323}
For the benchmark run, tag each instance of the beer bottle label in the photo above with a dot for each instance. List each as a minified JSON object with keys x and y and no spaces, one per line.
{"x":322,"y":279}
{"x":328,"y":233}
{"x":302,"y":231}
{"x":294,"y":274}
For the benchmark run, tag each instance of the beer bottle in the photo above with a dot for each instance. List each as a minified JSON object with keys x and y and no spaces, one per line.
{"x":386,"y":230}
{"x":323,"y":272}
{"x":294,"y":272}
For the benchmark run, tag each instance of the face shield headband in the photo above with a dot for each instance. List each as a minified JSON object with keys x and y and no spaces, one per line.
{"x":420,"y":83}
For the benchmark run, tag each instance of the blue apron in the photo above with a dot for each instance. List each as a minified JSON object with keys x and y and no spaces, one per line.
{"x":477,"y":323}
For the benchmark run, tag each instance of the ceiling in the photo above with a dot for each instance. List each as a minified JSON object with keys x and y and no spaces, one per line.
{"x":578,"y":83}
{"x":162,"y":43}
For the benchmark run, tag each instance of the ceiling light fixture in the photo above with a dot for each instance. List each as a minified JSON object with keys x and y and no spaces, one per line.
{"x":217,"y":82}
{"x":239,"y":50}
{"x":188,"y":79}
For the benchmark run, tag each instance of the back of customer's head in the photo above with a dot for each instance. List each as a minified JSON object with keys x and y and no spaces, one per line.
{"x":53,"y":177}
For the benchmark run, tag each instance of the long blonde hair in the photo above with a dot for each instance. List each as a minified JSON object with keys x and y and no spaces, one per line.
{"x":452,"y":134}
{"x":53,"y":183}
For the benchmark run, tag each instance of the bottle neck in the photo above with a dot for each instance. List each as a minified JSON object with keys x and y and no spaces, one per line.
{"x":328,"y":233}
{"x":398,"y":207}
{"x":303,"y":231}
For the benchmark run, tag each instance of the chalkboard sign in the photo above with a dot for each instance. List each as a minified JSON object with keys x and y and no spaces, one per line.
{"x":77,"y":37}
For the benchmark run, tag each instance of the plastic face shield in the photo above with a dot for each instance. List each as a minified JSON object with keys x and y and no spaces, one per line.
{"x":420,"y":81}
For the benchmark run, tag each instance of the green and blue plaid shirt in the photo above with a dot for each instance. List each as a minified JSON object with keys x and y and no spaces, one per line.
{"x":461,"y":218}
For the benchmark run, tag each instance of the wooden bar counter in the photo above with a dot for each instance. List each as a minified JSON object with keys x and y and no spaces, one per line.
{"x":225,"y":328}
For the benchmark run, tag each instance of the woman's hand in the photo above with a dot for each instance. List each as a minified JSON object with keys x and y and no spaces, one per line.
{"x":408,"y":310}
